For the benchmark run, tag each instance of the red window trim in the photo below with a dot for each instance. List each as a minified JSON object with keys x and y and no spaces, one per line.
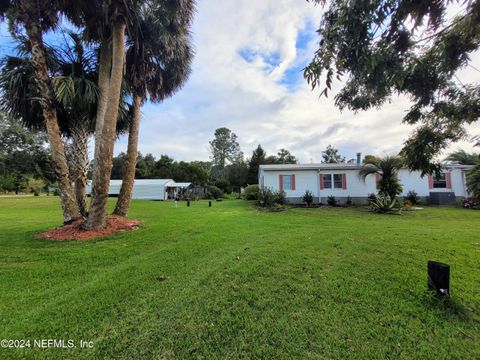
{"x":344,"y":181}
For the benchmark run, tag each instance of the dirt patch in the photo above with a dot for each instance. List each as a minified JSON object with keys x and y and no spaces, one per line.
{"x":74,"y":231}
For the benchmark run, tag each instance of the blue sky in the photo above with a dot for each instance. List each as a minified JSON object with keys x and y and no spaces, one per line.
{"x":247,"y":76}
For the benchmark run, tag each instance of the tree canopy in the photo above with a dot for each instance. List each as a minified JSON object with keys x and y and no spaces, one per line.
{"x":331,"y":156}
{"x":389,"y":47}
{"x":224,"y":148}
{"x":23,"y":155}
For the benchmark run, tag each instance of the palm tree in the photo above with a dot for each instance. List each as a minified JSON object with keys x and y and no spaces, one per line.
{"x":387,"y":170}
{"x":464,"y":158}
{"x":158,"y":64}
{"x":74,"y":72}
{"x":473,"y":181}
{"x":36,"y":19}
{"x":116,"y":16}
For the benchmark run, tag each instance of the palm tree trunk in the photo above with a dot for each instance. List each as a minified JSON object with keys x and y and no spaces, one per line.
{"x":105,"y":139}
{"x":79,"y":164}
{"x":125,"y":196}
{"x":67,"y":196}
{"x":105,"y":66}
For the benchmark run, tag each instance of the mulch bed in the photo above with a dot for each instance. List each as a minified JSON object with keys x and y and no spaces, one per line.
{"x":73,"y":231}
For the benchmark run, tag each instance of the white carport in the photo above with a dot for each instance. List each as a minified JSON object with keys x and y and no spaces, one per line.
{"x":147,"y":189}
{"x":177,"y":189}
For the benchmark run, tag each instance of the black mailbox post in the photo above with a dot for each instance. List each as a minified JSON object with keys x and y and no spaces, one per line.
{"x":439,"y":278}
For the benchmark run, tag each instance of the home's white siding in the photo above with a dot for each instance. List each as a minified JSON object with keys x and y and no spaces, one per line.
{"x":304,"y":180}
{"x":357,"y":189}
{"x":458,"y":182}
{"x":414,"y":181}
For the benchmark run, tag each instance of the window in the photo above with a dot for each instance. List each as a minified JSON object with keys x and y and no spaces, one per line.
{"x":440,"y":182}
{"x":327,"y":181}
{"x":337,"y":181}
{"x":333,"y":181}
{"x":287,"y":182}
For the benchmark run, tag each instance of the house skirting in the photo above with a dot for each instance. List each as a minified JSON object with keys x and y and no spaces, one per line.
{"x":356,"y":200}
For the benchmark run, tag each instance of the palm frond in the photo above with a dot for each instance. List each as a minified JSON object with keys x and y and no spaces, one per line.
{"x":473,"y":181}
{"x":464,"y":158}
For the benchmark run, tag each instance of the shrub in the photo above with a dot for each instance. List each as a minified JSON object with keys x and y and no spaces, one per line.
{"x":224,"y":185}
{"x":280,"y":197}
{"x":251,"y":192}
{"x":266,"y":198}
{"x":56,"y":190}
{"x":332,"y":201}
{"x":269,"y":199}
{"x":384,"y":204}
{"x":472,"y":203}
{"x":35,"y":186}
{"x":349,"y":201}
{"x":214,"y":192}
{"x":413,"y":198}
{"x":7,"y":183}
{"x":308,"y":198}
{"x":371,"y":197}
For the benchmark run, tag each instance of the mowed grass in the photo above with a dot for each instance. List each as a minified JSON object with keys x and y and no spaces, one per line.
{"x":231,"y":282}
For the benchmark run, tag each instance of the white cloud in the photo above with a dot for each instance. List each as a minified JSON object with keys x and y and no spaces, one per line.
{"x":249,"y":97}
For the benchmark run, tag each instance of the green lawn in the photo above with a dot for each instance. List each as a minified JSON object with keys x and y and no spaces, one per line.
{"x":232,"y":282}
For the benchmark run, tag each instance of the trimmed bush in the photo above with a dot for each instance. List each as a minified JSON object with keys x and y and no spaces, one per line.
{"x":251,"y":192}
{"x":308,"y":198}
{"x":331,"y":201}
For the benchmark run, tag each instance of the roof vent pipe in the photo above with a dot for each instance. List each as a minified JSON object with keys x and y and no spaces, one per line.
{"x":359,"y":159}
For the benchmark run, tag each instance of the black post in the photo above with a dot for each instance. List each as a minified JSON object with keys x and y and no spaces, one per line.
{"x":209,"y":204}
{"x":188,"y":203}
{"x":439,"y":278}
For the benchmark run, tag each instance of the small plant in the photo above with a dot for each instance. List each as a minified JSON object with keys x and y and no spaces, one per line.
{"x":332,"y":201}
{"x":384,"y":204}
{"x":251,"y":192}
{"x":349,"y":201}
{"x":308,"y":198}
{"x":413,"y":198}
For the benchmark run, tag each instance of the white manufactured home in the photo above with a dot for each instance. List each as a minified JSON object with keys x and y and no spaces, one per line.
{"x":148,"y":189}
{"x":344,"y":182}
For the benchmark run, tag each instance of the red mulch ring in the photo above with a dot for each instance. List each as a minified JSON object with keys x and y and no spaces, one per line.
{"x":73,"y":231}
